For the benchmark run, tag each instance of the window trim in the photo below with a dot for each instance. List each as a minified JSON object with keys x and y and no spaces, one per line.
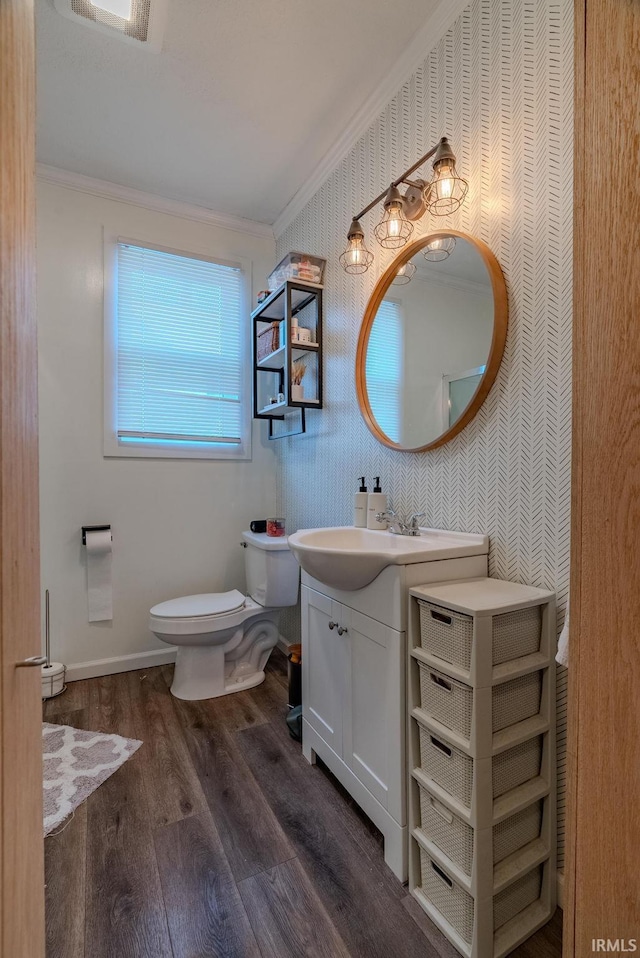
{"x":113,"y":446}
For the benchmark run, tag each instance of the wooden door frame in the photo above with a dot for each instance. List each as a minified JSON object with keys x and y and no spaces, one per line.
{"x":603,"y":839}
{"x":21,"y":843}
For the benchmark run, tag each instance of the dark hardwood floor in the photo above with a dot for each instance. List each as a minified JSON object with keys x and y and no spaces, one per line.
{"x":218,"y":840}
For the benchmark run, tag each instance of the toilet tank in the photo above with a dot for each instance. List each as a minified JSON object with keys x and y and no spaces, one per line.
{"x":273,"y":573}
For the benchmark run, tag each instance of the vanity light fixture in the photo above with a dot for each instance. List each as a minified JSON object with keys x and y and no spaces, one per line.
{"x":443,"y":195}
{"x":404,"y":274}
{"x":439,"y":249}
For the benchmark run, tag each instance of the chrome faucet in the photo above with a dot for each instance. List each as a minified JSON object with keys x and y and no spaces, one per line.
{"x":401,"y":525}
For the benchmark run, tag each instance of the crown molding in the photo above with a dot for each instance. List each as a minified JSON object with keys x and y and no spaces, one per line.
{"x":443,"y":17}
{"x":149,"y":201}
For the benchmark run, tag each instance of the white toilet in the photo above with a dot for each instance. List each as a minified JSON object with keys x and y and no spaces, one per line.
{"x":224,"y":639}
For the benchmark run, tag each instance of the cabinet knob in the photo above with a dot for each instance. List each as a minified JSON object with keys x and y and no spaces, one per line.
{"x":341,"y":631}
{"x":332,"y":625}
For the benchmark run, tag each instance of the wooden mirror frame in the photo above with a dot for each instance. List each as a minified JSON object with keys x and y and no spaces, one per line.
{"x":500,"y":323}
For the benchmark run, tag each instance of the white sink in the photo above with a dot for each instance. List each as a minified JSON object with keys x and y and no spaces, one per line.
{"x":344,"y":557}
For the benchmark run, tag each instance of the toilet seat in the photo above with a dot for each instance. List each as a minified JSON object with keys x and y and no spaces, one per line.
{"x":196,"y":606}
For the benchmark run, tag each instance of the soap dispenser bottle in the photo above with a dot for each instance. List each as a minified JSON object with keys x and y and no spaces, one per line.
{"x":376,"y":503}
{"x":360,"y":507}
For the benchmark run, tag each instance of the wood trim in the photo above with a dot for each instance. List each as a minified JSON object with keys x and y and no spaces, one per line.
{"x":603,"y":878}
{"x":569,"y":908}
{"x":21,"y":849}
{"x":500,"y":324}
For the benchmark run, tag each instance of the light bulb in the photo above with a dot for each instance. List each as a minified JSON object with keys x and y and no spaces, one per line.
{"x":394,"y":229}
{"x":438,"y":249}
{"x":445,"y":182}
{"x":404,"y":274}
{"x":446,"y":191}
{"x":356,"y":258}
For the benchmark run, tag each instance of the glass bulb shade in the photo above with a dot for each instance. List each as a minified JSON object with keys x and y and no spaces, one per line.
{"x":394,"y":229}
{"x":404,"y":274}
{"x":446,"y":191}
{"x":439,"y":249}
{"x":356,"y":258}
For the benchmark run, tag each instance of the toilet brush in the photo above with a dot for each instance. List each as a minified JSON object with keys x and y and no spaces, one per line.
{"x":53,"y":673}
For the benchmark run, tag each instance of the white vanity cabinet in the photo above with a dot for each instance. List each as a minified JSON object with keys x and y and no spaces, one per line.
{"x":354,"y":655}
{"x":352,"y":690}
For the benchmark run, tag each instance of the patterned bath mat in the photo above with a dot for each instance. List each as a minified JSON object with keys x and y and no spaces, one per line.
{"x":75,"y":763}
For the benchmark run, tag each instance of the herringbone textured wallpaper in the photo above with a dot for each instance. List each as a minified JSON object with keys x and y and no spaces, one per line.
{"x":500,"y":85}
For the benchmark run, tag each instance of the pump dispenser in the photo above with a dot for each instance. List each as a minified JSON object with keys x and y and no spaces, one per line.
{"x":377,"y":503}
{"x":360,"y":507}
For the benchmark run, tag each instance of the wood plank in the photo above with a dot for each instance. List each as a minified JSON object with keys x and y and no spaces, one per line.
{"x":204,"y":909}
{"x":65,"y":859}
{"x":440,"y":947}
{"x":603,"y":881}
{"x":21,"y":847}
{"x":232,"y":712}
{"x":125,"y":912}
{"x":76,"y":696}
{"x":360,"y":893}
{"x":65,"y":854}
{"x":172,"y":787}
{"x":251,"y":835}
{"x":287,"y":917}
{"x":546,"y":943}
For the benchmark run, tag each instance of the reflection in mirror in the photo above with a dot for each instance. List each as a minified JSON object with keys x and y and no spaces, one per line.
{"x":429,"y":343}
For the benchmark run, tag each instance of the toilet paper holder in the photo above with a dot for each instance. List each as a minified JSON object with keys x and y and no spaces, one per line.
{"x":103,"y":528}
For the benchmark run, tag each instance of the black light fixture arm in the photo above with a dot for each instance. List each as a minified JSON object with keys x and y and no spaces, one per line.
{"x":402,"y":178}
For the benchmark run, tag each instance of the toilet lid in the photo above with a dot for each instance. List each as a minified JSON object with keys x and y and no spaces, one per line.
{"x":209,"y":603}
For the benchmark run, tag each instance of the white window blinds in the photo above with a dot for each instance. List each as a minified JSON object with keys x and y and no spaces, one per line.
{"x":384,"y":368}
{"x":179,"y":344}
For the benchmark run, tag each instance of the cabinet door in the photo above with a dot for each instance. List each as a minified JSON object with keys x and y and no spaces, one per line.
{"x":323,"y":666}
{"x":373,"y":723}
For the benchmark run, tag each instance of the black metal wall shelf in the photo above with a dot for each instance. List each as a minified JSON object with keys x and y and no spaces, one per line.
{"x":273,"y":373}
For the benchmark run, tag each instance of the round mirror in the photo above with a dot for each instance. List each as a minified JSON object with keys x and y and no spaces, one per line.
{"x":431,"y":341}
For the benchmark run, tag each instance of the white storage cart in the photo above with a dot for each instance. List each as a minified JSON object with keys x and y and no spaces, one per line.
{"x":481,"y":761}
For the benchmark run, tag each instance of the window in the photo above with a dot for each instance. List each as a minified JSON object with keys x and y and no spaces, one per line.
{"x":176,"y":342}
{"x":384,"y":368}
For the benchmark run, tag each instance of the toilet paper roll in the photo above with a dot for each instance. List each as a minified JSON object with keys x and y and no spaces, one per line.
{"x":99,"y":592}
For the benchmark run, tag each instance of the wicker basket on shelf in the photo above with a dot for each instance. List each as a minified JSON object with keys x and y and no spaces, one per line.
{"x":268,"y":341}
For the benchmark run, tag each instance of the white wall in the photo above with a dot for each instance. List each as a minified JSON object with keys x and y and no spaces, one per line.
{"x":500,"y":85}
{"x":176,"y":523}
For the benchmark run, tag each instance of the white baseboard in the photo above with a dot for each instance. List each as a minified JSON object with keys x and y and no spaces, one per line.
{"x":121,"y":663}
{"x":560,"y":881}
{"x":282,"y":644}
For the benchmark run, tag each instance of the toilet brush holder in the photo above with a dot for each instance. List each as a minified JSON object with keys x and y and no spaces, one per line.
{"x":53,"y":673}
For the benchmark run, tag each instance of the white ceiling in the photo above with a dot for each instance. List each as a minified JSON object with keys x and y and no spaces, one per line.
{"x":244,"y":100}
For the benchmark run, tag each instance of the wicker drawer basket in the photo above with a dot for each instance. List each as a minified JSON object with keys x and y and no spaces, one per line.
{"x":516,"y":765}
{"x":452,"y":769}
{"x":455,"y":837}
{"x":448,"y":635}
{"x":515,"y":898}
{"x":516,"y":831}
{"x":448,"y":831}
{"x":451,"y":702}
{"x":447,"y":766}
{"x":452,"y":901}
